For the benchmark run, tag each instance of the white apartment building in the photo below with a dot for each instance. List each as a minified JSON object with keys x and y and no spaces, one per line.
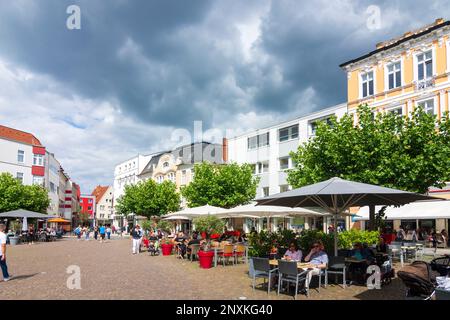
{"x":25,"y":158}
{"x":268,"y":149}
{"x":127,"y":173}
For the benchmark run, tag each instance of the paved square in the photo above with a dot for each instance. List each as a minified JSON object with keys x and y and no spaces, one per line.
{"x":110,"y":271}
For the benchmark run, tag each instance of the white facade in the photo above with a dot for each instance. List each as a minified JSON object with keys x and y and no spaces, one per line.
{"x":126,"y":173}
{"x":52,"y":183}
{"x":104,"y":205}
{"x":270,"y":157}
{"x":16,"y":158}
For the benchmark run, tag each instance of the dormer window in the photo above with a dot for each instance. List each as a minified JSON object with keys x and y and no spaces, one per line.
{"x":166,"y":164}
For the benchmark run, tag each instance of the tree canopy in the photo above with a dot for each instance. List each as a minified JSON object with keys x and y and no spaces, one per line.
{"x":14,"y":195}
{"x":149,"y":199}
{"x":404,"y":152}
{"x":223,"y":186}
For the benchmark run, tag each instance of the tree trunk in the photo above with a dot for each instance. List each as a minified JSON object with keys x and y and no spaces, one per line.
{"x":371,"y":217}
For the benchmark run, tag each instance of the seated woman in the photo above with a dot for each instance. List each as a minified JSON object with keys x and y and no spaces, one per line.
{"x":318,"y":259}
{"x":293,"y":253}
{"x":179,"y":241}
{"x":357,"y":270}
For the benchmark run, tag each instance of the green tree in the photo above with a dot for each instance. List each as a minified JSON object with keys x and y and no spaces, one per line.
{"x":14,"y":195}
{"x":223,"y":186}
{"x":149,"y":199}
{"x":407,"y":153}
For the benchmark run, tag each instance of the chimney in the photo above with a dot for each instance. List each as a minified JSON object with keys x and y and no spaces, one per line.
{"x":225,"y":150}
{"x":439,"y":21}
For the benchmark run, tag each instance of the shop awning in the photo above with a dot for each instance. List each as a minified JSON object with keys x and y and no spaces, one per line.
{"x":416,"y":210}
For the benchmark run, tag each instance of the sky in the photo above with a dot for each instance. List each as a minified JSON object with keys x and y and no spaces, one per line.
{"x":138,"y":73}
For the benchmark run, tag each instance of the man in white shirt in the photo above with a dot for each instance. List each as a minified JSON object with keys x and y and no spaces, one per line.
{"x":3,"y":265}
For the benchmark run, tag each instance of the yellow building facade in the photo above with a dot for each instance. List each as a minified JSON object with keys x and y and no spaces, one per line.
{"x":402,"y":73}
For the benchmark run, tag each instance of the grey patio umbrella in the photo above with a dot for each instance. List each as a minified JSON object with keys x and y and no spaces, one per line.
{"x":337,"y":195}
{"x":21,"y":213}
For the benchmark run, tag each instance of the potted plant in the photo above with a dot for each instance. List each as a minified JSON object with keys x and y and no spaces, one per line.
{"x":166,"y":247}
{"x":207,"y":226}
{"x":166,"y":244}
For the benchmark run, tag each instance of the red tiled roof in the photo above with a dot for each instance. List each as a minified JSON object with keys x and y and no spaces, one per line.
{"x":98,"y":192}
{"x":19,"y":136}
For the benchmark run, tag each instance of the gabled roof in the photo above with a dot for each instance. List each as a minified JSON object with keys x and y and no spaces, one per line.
{"x":189,"y":153}
{"x":98,"y":192}
{"x":19,"y":136}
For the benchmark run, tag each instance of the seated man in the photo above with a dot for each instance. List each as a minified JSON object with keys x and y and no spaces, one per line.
{"x":318,"y":259}
{"x":381,"y":246}
{"x":293,"y":253}
{"x":194,"y":240}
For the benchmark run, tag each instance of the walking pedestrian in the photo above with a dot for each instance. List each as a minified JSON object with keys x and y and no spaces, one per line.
{"x":95,"y":232}
{"x":4,"y":267}
{"x":108,"y":232}
{"x":87,"y":230}
{"x":77,"y":232}
{"x":136,"y":235}
{"x":102,"y":231}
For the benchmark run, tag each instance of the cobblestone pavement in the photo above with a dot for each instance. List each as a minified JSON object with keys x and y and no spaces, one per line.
{"x":110,"y":271}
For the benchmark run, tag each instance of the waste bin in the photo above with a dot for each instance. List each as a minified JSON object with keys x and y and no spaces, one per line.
{"x":14,"y":240}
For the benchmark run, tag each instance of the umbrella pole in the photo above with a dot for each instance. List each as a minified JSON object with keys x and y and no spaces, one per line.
{"x":335,"y":236}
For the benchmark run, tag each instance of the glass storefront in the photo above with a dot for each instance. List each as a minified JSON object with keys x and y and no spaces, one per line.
{"x":409,"y":224}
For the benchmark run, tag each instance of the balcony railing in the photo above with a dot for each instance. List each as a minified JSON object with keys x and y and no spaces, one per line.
{"x":424,"y":84}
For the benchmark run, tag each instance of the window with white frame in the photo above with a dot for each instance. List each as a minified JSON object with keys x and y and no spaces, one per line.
{"x":52,"y":187}
{"x":183,"y":177}
{"x":38,"y":160}
{"x":314,"y":123}
{"x":38,"y":180}
{"x":19,"y":176}
{"x":396,"y":111}
{"x":394,"y":73}
{"x":260,"y":167}
{"x":20,"y":156}
{"x":427,"y":105}
{"x":367,"y":84}
{"x":288,"y":133}
{"x":284,"y":163}
{"x":160,"y":179}
{"x":284,"y":188}
{"x":265,"y":191}
{"x":171,"y":176}
{"x":166,"y":164}
{"x":425,"y":65}
{"x":258,"y":141}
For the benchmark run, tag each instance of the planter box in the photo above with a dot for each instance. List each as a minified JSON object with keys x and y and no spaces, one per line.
{"x":166,"y":249}
{"x":14,"y":241}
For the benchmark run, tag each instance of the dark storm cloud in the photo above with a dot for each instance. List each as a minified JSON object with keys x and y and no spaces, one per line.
{"x":172,"y":62}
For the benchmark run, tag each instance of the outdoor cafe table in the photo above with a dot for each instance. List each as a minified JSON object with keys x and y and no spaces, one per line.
{"x":300,"y":265}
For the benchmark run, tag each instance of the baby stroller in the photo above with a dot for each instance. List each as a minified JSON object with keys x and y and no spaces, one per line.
{"x":153,"y":247}
{"x":384,"y":262}
{"x":441,"y":265}
{"x":419,"y":279}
